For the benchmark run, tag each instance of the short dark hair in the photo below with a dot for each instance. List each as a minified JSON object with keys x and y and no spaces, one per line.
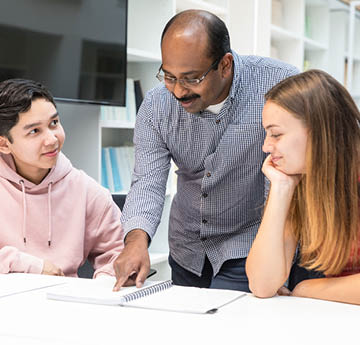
{"x":16,"y":96}
{"x":218,"y":35}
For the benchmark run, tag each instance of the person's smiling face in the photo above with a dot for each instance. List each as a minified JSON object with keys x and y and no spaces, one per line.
{"x":185,"y":56}
{"x":36,"y":140}
{"x":286,"y":139}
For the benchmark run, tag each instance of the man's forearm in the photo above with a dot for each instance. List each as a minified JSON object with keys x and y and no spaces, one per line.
{"x":137,"y":235}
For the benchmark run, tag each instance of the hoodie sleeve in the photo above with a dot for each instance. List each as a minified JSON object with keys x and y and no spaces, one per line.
{"x":107,"y":237}
{"x":13,"y":260}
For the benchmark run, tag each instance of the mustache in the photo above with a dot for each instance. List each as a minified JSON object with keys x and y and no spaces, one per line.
{"x":187,"y":98}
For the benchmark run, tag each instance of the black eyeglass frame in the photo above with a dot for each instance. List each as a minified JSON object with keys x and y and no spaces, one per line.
{"x":186,"y":82}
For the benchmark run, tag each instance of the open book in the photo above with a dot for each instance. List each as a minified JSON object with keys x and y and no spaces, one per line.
{"x":153,"y":295}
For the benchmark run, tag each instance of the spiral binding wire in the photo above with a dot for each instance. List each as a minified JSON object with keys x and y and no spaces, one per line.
{"x":147,"y":291}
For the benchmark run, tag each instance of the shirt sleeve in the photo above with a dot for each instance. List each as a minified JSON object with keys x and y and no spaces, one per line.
{"x":108,"y":237}
{"x":145,"y":201}
{"x":14,"y":260}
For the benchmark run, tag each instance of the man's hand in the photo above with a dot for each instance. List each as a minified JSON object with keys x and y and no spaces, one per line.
{"x":51,"y":269}
{"x":133,"y":264}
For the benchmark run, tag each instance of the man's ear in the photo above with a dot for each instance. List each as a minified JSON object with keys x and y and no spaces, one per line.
{"x":227,"y":64}
{"x":4,"y":145}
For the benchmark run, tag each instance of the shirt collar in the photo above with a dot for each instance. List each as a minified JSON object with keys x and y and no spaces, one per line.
{"x":236,"y":82}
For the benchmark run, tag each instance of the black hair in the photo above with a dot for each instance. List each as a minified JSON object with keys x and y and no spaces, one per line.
{"x":16,"y":96}
{"x":218,"y":35}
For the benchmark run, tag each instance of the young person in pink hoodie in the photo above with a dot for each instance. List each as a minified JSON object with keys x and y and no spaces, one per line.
{"x":52,"y":216}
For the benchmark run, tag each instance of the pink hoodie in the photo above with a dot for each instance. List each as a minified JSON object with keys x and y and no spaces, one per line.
{"x":64,"y":219}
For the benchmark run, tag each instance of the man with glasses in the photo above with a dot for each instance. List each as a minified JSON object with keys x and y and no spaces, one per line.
{"x":206,"y":117}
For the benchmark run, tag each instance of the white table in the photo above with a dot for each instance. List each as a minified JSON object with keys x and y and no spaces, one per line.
{"x":29,"y":318}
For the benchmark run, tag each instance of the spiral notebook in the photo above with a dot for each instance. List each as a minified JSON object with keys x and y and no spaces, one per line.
{"x":153,"y":295}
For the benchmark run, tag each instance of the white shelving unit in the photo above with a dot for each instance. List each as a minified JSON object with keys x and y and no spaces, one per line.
{"x":144,"y":59}
{"x":299,"y":32}
{"x":304,"y":33}
{"x":339,"y":47}
{"x":353,"y":52}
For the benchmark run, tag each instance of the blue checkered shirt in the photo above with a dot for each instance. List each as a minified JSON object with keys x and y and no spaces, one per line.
{"x":220,"y":190}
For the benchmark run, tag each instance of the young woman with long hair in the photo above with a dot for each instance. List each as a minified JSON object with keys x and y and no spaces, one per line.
{"x":312,"y":137}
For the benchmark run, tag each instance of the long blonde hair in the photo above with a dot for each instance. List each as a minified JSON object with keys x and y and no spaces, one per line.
{"x":324,"y":212}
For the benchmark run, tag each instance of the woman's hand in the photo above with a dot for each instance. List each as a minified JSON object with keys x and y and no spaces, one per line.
{"x":278,"y":177}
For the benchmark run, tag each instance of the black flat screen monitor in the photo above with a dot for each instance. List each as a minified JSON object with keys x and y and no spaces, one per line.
{"x":77,"y":48}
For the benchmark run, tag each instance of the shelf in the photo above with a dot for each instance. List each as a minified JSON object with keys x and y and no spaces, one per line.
{"x":117,"y":124}
{"x":138,"y":55}
{"x":314,"y":3}
{"x":310,"y":44}
{"x":356,"y":58}
{"x":156,"y":258}
{"x":280,"y":34}
{"x":121,"y":192}
{"x":125,"y":192}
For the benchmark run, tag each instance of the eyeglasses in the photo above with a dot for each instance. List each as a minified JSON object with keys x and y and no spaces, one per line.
{"x":184,"y":82}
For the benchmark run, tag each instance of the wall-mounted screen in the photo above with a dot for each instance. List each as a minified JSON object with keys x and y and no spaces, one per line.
{"x":77,"y":48}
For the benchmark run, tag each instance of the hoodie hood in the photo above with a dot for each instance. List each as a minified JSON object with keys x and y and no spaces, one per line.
{"x":56,"y":174}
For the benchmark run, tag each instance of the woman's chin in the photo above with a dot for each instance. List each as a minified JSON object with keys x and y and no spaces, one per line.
{"x":288,"y":171}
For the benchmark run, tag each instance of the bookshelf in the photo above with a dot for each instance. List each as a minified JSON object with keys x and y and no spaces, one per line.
{"x":339,"y":47}
{"x":304,"y":33}
{"x":353,"y":52}
{"x":144,"y":59}
{"x":299,"y":32}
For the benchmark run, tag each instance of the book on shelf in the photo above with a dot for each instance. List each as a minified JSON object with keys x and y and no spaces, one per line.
{"x":111,"y":113}
{"x":104,"y":175}
{"x":115,"y":169}
{"x":110,"y":179}
{"x":307,"y":64}
{"x":308,"y":26}
{"x":117,"y":164}
{"x":126,"y":172}
{"x":130,"y":101}
{"x":139,"y":96}
{"x":153,"y":295}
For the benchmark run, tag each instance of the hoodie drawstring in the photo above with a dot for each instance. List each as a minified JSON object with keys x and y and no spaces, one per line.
{"x":49,"y":208}
{"x":24,"y":209}
{"x":21,"y":182}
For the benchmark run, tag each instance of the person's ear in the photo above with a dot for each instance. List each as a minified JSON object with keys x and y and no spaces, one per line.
{"x":4,"y":145}
{"x":226,"y":65}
